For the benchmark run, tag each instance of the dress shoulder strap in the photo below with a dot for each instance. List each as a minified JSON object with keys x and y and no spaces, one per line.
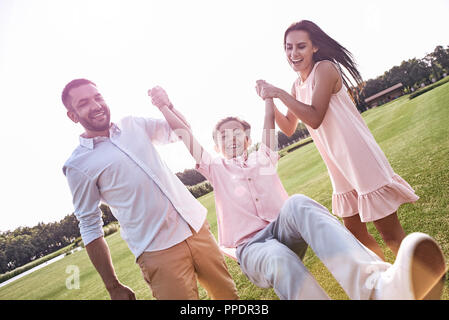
{"x":314,"y":69}
{"x":312,"y":74}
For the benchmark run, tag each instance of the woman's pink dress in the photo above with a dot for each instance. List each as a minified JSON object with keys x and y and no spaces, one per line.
{"x":363,"y":181}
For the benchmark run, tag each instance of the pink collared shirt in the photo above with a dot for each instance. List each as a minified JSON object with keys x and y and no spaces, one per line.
{"x":248,"y":193}
{"x":124,"y":170}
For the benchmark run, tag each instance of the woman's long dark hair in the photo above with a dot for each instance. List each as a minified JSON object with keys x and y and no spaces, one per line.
{"x":329,"y":49}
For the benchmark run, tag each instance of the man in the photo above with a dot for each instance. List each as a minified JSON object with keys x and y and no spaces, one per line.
{"x":164,"y":226}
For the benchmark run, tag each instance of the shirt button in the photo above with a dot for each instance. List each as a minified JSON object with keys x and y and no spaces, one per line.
{"x":257,"y":199}
{"x":249,"y":179}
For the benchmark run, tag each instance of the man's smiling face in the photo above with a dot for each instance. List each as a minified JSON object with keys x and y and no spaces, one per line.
{"x":89,"y":109}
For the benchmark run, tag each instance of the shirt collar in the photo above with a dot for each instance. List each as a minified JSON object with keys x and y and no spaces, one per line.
{"x":91,"y":142}
{"x":240,"y":160}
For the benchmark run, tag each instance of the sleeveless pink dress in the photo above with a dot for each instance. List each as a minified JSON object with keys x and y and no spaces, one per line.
{"x":362,"y":179}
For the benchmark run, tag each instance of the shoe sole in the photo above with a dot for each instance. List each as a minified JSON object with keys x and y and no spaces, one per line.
{"x":428,"y":271}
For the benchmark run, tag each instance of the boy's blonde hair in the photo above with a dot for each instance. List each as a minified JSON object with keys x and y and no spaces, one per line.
{"x":246,"y":127}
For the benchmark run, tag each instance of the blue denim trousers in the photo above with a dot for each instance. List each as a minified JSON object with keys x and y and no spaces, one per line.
{"x":273,"y":257}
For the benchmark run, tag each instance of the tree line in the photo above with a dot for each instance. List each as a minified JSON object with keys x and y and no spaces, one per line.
{"x":413,"y":74}
{"x":300,"y":133}
{"x":26,"y":244}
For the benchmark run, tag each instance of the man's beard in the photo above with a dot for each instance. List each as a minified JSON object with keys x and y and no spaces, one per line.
{"x":90,"y":124}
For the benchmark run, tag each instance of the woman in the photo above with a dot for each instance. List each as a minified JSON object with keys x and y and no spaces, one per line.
{"x":365,"y":187}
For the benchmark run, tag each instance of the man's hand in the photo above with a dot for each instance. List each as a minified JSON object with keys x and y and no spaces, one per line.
{"x":121,"y":292}
{"x":159,"y":97}
{"x":266,"y":90}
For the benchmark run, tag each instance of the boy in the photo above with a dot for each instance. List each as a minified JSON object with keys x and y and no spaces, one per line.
{"x":271,"y":232}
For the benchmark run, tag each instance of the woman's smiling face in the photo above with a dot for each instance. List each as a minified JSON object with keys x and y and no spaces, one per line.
{"x":299,"y":50}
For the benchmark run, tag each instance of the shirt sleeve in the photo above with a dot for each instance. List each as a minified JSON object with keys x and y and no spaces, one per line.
{"x":159,"y":131}
{"x":204,"y":167}
{"x":266,"y":152}
{"x":86,"y":200}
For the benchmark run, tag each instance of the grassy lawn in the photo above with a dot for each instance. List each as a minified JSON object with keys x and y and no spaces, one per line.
{"x":414,"y":135}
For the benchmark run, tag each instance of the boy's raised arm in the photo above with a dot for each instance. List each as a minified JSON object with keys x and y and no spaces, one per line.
{"x":269,"y":135}
{"x":177,"y":121}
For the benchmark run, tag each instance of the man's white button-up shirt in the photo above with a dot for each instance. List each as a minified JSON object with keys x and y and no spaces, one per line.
{"x":124,"y":170}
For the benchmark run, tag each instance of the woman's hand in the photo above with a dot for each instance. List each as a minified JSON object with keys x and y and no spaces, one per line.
{"x":266,"y":90}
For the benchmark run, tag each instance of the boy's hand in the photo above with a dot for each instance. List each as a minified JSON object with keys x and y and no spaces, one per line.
{"x":266,"y":90}
{"x":159,"y":97}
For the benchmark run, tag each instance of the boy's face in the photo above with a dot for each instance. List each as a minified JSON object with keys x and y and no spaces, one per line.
{"x":232,"y":139}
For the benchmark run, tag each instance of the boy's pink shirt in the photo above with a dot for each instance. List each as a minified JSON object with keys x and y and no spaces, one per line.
{"x":248,"y":194}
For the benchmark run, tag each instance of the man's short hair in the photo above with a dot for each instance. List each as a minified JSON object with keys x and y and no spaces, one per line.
{"x":72,"y":85}
{"x":246,"y":127}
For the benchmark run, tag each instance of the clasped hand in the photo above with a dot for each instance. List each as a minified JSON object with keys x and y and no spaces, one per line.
{"x":266,"y":90}
{"x":159,"y":97}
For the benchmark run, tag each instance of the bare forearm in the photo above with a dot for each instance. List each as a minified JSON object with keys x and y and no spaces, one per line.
{"x":180,"y":117}
{"x":306,"y":113}
{"x":175,"y":119}
{"x":100,"y":256}
{"x":285,"y":123}
{"x":181,"y":127}
{"x":268,"y":137}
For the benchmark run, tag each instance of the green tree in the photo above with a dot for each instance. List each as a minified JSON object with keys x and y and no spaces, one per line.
{"x":107,"y":215}
{"x":19,"y":250}
{"x":301,"y":132}
{"x":3,"y":258}
{"x":190,"y":177}
{"x":419,"y":71}
{"x":441,"y":57}
{"x":373,"y":86}
{"x":434,"y":67}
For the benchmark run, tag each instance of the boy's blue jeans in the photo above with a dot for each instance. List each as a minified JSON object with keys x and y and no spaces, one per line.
{"x":273,"y":257}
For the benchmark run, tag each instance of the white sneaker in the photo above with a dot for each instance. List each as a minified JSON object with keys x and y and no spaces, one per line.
{"x":418,"y":272}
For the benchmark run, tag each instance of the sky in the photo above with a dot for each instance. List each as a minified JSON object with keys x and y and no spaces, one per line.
{"x":206,"y":54}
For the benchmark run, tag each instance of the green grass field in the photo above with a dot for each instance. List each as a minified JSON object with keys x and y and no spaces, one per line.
{"x":414,"y":135}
